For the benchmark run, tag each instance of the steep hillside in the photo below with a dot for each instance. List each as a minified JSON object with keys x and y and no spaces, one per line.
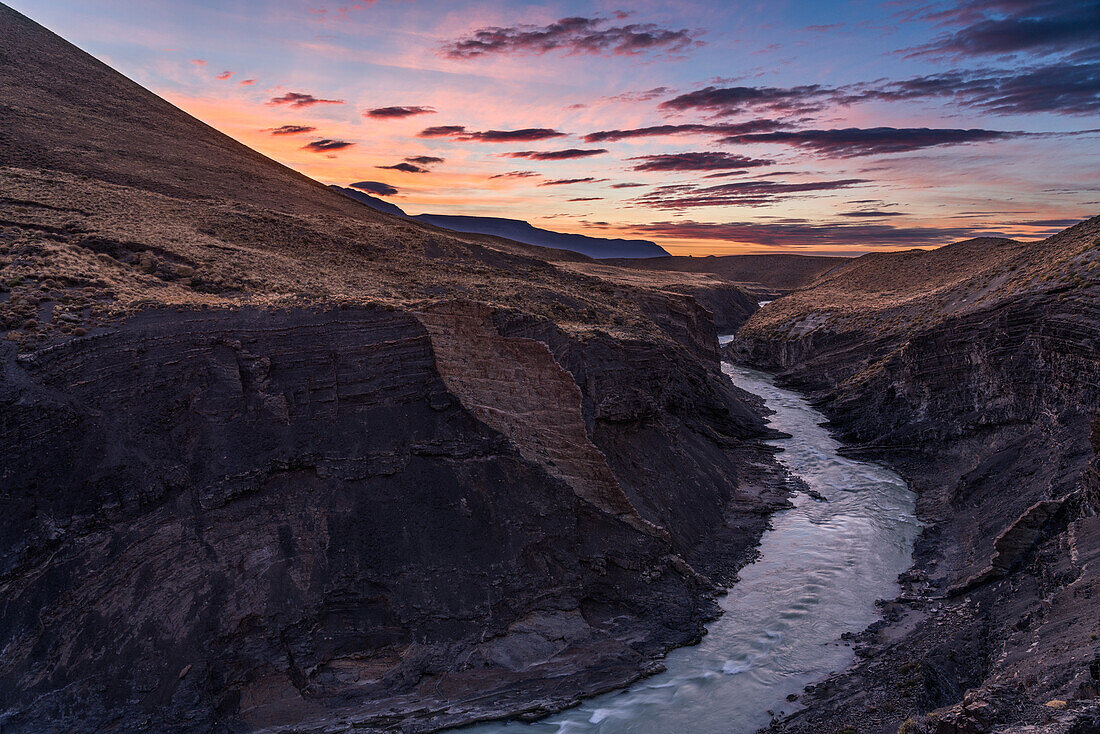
{"x":974,"y":370}
{"x":373,"y":202}
{"x":272,"y":460}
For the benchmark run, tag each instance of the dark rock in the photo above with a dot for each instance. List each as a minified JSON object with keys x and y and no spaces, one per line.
{"x":349,"y":471}
{"x":975,"y":375}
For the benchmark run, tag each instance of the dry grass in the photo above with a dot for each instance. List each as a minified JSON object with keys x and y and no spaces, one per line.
{"x":885,"y":292}
{"x":781,"y":272}
{"x":69,"y":260}
{"x":112,"y":201}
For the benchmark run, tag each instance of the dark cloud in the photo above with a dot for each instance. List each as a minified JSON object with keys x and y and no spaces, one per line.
{"x":406,"y":167}
{"x":291,"y":129}
{"x":375,"y":187}
{"x":442,"y":131}
{"x":1060,"y":223}
{"x":994,"y":27}
{"x":326,"y":146}
{"x":752,"y":126}
{"x":853,"y":141}
{"x":728,"y":174}
{"x":1062,"y":87}
{"x":414,"y":164}
{"x":556,"y":155}
{"x":703,"y":161}
{"x":1067,"y":86}
{"x":737,"y":100}
{"x":300,"y":99}
{"x":643,"y":96}
{"x":517,"y":174}
{"x":870,"y":214}
{"x":459,"y":132}
{"x":803,"y":234}
{"x":573,"y":36}
{"x":587,"y":198}
{"x":564,"y":181}
{"x":741,"y":193}
{"x":628,"y":185}
{"x":396,"y":113}
{"x":509,"y":136}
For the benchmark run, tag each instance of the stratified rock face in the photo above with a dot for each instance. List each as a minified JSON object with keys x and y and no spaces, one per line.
{"x":272,"y":461}
{"x":977,"y":375}
{"x":672,"y":432}
{"x":515,"y":386}
{"x":268,"y":518}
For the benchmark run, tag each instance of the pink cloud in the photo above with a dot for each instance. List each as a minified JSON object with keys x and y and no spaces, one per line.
{"x":247,"y":82}
{"x":224,"y":75}
{"x":301,"y":99}
{"x":198,"y":62}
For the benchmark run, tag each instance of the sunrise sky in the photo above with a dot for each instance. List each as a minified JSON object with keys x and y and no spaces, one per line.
{"x":707,"y":127}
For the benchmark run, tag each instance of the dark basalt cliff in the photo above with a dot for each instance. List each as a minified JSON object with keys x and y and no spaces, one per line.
{"x":281,"y":518}
{"x":975,"y":371}
{"x":271,"y":461}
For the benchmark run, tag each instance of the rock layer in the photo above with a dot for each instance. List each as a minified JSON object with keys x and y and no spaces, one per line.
{"x":271,"y":461}
{"x":270,"y":518}
{"x":975,"y":371}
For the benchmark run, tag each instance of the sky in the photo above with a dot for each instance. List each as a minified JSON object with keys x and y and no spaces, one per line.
{"x":709,"y":127}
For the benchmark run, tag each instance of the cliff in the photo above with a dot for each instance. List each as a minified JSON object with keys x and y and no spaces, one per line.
{"x":972,"y":369}
{"x":274,"y":461}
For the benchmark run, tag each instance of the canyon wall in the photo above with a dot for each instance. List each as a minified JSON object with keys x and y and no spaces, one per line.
{"x":259,"y":519}
{"x":986,"y":405}
{"x":273,"y":461}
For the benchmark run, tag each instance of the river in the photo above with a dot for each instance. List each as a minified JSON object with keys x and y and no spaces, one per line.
{"x":822,"y":566}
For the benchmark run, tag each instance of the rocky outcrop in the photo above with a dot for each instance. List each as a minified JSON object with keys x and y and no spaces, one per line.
{"x":254,"y":519}
{"x":980,"y":391}
{"x":730,"y":305}
{"x":515,"y":386}
{"x":658,"y":417}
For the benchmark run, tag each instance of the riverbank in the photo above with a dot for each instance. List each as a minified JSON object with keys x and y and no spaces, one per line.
{"x":973,"y":371}
{"x":818,"y":573}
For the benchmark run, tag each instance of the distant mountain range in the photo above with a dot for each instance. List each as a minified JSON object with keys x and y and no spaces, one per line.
{"x":520,"y":231}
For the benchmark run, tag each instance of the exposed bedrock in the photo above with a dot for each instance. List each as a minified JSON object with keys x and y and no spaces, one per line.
{"x":987,"y":414}
{"x":730,"y":304}
{"x":257,"y":520}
